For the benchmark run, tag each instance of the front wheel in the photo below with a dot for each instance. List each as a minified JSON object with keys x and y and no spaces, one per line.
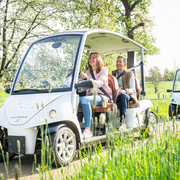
{"x":64,"y":146}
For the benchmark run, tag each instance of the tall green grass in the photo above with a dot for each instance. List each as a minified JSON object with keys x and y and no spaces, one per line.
{"x":127,"y":157}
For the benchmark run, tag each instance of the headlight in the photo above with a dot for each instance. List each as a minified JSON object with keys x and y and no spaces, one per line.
{"x":52,"y":113}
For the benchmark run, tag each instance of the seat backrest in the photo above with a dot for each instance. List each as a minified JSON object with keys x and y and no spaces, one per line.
{"x":113,"y":84}
{"x":137,"y":86}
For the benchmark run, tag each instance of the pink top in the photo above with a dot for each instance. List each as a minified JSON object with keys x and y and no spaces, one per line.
{"x":101,"y":81}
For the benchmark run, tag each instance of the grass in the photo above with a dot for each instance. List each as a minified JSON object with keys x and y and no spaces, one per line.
{"x":160,"y":99}
{"x":128,"y":158}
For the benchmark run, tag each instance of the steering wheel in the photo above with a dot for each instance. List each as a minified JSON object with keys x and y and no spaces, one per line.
{"x":81,"y":92}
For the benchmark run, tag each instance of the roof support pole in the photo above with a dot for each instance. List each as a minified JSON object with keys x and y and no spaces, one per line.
{"x":142,"y":74}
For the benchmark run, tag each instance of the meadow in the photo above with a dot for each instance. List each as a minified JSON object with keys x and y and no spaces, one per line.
{"x":160,"y":100}
{"x":125,"y":156}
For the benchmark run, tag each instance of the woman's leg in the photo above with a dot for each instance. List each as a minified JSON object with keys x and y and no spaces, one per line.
{"x":86,"y":103}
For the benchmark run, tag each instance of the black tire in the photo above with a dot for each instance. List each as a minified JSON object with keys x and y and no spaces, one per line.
{"x":64,"y":146}
{"x":172,"y":110}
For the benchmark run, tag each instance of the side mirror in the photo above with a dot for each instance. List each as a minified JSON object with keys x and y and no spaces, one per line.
{"x":169,"y":90}
{"x":84,"y":85}
{"x":7,"y":89}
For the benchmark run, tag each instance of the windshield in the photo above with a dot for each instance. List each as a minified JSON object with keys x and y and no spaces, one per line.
{"x":177,"y":82}
{"x":49,"y":65}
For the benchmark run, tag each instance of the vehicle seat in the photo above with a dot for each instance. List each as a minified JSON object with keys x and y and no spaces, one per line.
{"x":113,"y":84}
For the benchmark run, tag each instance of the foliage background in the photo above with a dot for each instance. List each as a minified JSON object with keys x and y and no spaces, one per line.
{"x":23,"y":21}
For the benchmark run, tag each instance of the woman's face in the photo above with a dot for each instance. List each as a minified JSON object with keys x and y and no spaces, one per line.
{"x":92,"y":60}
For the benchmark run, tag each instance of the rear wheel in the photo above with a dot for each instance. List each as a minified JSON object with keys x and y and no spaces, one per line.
{"x":151,"y":124}
{"x":64,"y":146}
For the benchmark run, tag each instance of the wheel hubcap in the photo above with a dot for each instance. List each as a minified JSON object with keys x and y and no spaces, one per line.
{"x":66,"y":145}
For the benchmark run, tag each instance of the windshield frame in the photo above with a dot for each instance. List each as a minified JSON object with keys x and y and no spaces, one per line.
{"x":175,"y":80}
{"x":37,"y":91}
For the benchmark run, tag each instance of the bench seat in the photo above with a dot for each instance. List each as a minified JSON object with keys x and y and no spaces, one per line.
{"x":100,"y":109}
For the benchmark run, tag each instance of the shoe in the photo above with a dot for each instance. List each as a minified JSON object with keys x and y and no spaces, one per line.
{"x":87,"y":134}
{"x":122,"y":127}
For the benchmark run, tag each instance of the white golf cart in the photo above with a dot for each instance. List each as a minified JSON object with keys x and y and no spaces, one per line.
{"x":174,"y":108}
{"x":46,"y":91}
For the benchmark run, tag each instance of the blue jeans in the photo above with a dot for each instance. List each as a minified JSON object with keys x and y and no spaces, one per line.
{"x":123,"y":99}
{"x":86,"y":103}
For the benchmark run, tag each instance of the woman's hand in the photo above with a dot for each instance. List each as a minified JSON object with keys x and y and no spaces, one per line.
{"x":84,"y":76}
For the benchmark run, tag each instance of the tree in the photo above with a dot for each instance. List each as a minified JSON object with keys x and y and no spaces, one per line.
{"x":93,"y":14}
{"x":129,"y":17}
{"x":155,"y":77}
{"x":21,"y":22}
{"x":24,"y":20}
{"x":133,"y":20}
{"x":168,"y":75}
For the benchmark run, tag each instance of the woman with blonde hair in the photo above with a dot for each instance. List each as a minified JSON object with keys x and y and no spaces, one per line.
{"x":98,"y":74}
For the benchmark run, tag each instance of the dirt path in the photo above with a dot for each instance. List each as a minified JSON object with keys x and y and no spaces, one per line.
{"x":26,"y":167}
{"x":26,"y":161}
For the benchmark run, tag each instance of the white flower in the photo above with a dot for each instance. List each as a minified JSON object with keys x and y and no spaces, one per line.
{"x":102,"y":118}
{"x":104,"y":103}
{"x":43,"y":103}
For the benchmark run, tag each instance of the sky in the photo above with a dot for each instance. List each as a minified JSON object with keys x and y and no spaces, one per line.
{"x":166,"y":15}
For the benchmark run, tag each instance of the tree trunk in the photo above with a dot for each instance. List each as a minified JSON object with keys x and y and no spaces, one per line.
{"x":130,"y":59}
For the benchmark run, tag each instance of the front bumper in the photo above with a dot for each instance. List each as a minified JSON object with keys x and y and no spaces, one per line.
{"x":13,"y":146}
{"x":27,"y":139}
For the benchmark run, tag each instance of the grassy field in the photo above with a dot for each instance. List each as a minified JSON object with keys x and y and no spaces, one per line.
{"x":127,"y":158}
{"x":160,"y":99}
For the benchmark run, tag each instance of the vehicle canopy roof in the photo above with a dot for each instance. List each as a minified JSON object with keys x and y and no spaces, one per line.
{"x":106,"y":42}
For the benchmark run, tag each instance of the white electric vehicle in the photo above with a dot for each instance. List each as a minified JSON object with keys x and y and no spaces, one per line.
{"x":46,"y":91}
{"x":174,"y":108}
